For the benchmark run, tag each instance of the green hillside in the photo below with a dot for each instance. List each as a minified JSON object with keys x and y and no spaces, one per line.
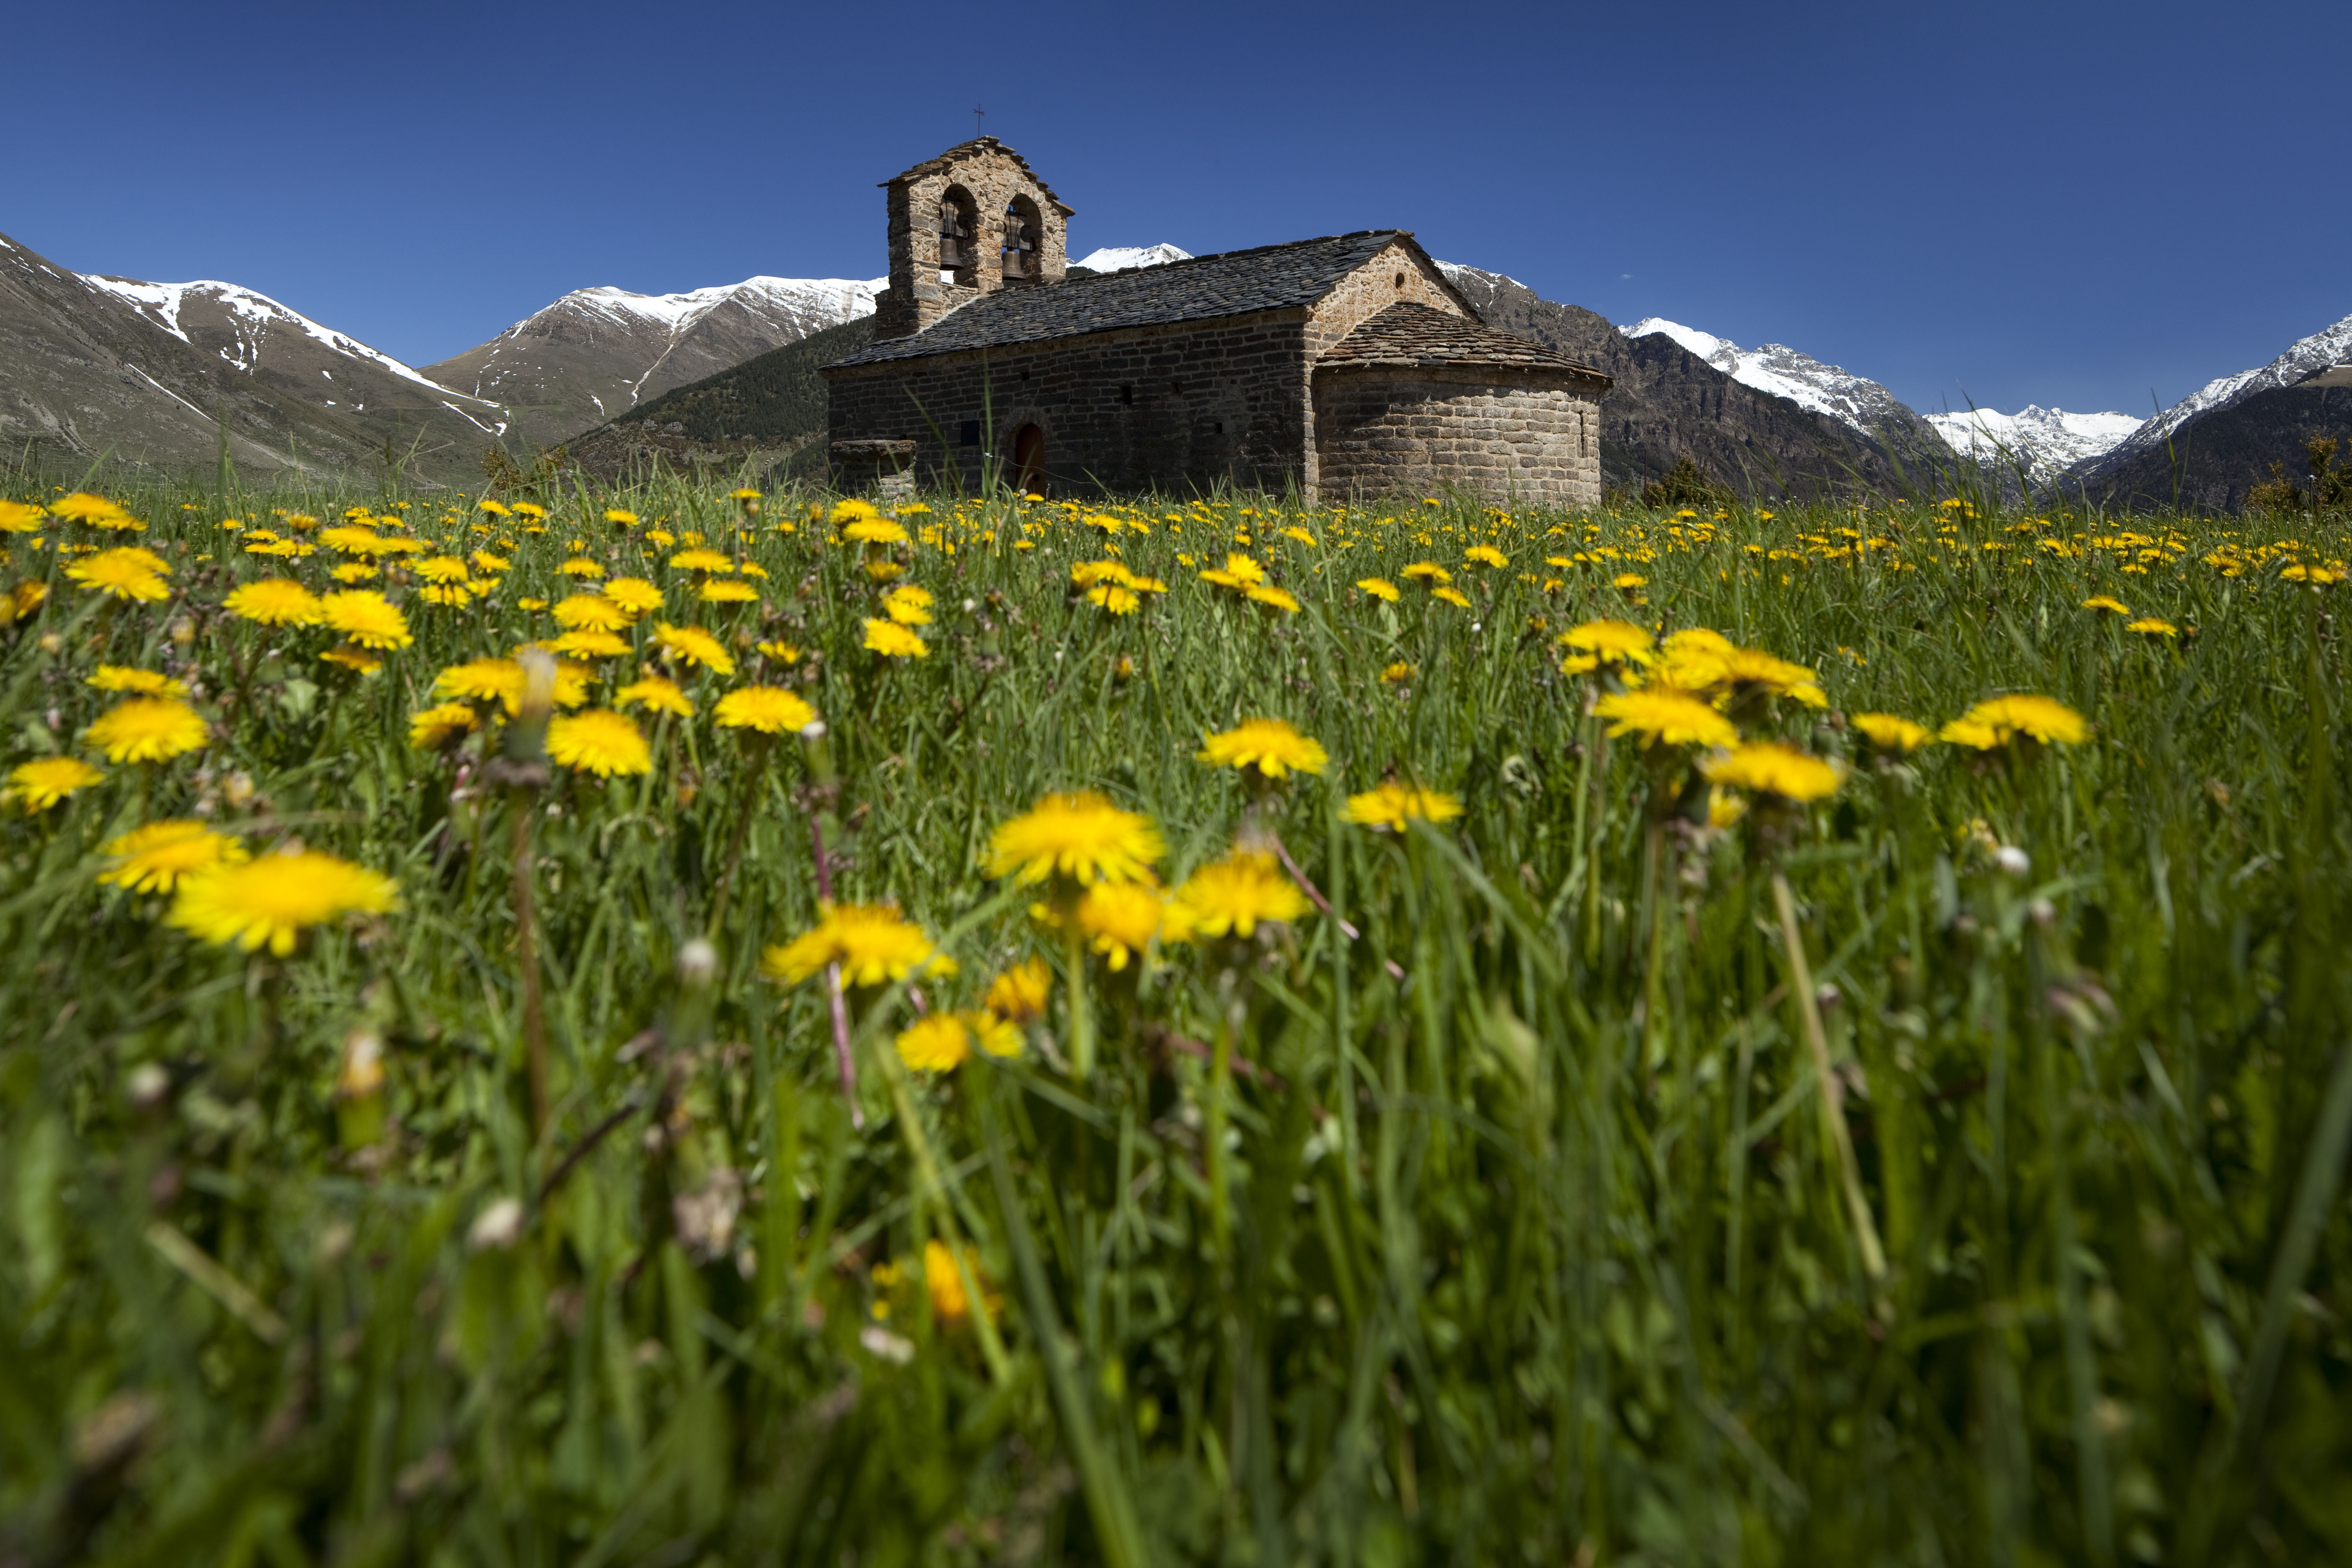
{"x":778,"y":396}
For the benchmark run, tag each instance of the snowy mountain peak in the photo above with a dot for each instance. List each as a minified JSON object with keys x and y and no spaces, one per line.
{"x":835,"y":299}
{"x":251,"y":316}
{"x":1851,"y":400}
{"x":2042,"y":440}
{"x":1120,"y":257}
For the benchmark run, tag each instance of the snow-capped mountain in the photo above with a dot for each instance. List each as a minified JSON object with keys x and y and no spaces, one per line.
{"x":163,"y":373}
{"x":2305,"y":357}
{"x":2043,"y":441}
{"x":1120,"y":257}
{"x":595,"y":353}
{"x":1787,"y":372}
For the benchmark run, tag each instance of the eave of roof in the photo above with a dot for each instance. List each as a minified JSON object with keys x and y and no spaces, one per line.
{"x":1410,"y":334}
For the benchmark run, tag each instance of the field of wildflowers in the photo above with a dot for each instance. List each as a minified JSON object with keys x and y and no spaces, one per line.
{"x":671,"y":1027}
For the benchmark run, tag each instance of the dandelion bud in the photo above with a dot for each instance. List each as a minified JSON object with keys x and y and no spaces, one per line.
{"x":361,"y":1074}
{"x":52,"y":643}
{"x":2013,"y":861}
{"x":147,"y":1085}
{"x":237,"y":789}
{"x":1827,"y":996}
{"x":2044,"y":913}
{"x":183,"y":630}
{"x":697,"y":963}
{"x":498,"y":1226}
{"x":813,"y":730}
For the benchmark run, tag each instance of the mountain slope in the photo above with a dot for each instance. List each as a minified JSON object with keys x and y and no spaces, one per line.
{"x":2221,"y":455}
{"x":769,"y":411}
{"x":596,"y":354}
{"x":1854,"y":401}
{"x":155,"y":373}
{"x":2305,"y":357}
{"x":1120,"y":257}
{"x":1669,"y":403}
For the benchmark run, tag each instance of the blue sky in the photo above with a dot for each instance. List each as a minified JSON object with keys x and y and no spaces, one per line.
{"x":2090,"y":206}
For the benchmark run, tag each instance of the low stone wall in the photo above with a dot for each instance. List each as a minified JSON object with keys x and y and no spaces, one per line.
{"x":1529,"y":437}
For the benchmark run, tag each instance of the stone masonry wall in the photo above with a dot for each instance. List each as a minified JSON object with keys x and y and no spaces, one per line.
{"x":1396,"y":273}
{"x":1190,"y":406}
{"x":1527,"y":436}
{"x":916,"y":297}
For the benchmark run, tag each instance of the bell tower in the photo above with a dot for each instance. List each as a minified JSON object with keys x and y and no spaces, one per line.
{"x":966,"y":223}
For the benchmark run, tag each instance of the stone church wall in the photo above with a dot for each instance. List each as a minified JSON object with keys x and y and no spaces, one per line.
{"x":1528,"y":437}
{"x":1186,"y":406}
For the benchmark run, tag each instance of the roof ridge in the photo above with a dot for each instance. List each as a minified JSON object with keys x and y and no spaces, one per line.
{"x":976,"y":145}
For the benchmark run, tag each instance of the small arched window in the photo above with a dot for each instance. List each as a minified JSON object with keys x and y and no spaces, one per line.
{"x":1024,"y":239}
{"x":959,"y":237}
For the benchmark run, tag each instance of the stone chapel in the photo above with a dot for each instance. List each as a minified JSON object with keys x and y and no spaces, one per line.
{"x":1343,"y":367}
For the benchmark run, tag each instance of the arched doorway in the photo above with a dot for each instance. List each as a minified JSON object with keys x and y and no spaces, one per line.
{"x":1029,"y":460}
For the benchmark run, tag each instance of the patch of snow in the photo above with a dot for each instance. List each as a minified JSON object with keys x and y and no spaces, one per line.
{"x":842,"y":299}
{"x":2043,"y":441}
{"x":1851,"y":400}
{"x":2305,"y":357}
{"x":1122,"y":258}
{"x":500,"y":430}
{"x":1456,"y":272}
{"x":162,"y":298}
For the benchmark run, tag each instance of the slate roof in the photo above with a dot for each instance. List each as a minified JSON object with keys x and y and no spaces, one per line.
{"x":1408,"y":333}
{"x":1231,"y":283}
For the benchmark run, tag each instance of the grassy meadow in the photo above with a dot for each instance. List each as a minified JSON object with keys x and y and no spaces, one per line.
{"x":668,"y":1028}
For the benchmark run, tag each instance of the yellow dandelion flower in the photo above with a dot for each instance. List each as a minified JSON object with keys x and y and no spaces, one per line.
{"x":1891,"y":731}
{"x":1080,"y":838}
{"x":1238,"y":572}
{"x":154,"y":858}
{"x":93,"y":511}
{"x":1270,"y":745}
{"x":1449,"y":596}
{"x":1392,"y":804}
{"x":873,"y":945}
{"x":909,"y":605}
{"x":124,"y":574}
{"x":1774,"y":767}
{"x":938,"y":1042}
{"x":600,"y":741}
{"x":1609,"y":643}
{"x":1662,"y":715}
{"x":20,"y":517}
{"x":769,"y":710}
{"x":434,"y":728}
{"x":1279,"y":598}
{"x":366,"y":619}
{"x":1485,"y":555}
{"x":272,"y":901}
{"x":354,"y":659}
{"x":2151,"y":626}
{"x":2112,"y":606}
{"x":1380,"y":588}
{"x":145,"y":682}
{"x":1119,"y":919}
{"x":1019,"y":995}
{"x":588,"y":644}
{"x":997,"y":1036}
{"x":700,"y":559}
{"x":694,"y":645}
{"x":275,"y":602}
{"x":148,"y":730}
{"x":495,"y":508}
{"x":1428,"y":573}
{"x":657,"y":694}
{"x":38,"y":785}
{"x":448,"y":593}
{"x":892,"y":640}
{"x":851,"y":510}
{"x":621,"y":515}
{"x":873,"y":531}
{"x":2037,"y":718}
{"x":723,"y":591}
{"x":1233,"y":896}
{"x":441,"y":569}
{"x":634,"y":595}
{"x":590,"y":612}
{"x":352,"y":574}
{"x":1396,"y":671}
{"x":1114,"y":597}
{"x":485,"y":562}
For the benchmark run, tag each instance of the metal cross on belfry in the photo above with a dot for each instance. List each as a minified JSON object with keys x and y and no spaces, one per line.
{"x":976,"y":112}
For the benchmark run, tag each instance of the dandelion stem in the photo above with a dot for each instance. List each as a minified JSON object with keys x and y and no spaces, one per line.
{"x":534,"y":1026}
{"x":843,"y":1060}
{"x":1082,"y":1017}
{"x":1833,"y":1088}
